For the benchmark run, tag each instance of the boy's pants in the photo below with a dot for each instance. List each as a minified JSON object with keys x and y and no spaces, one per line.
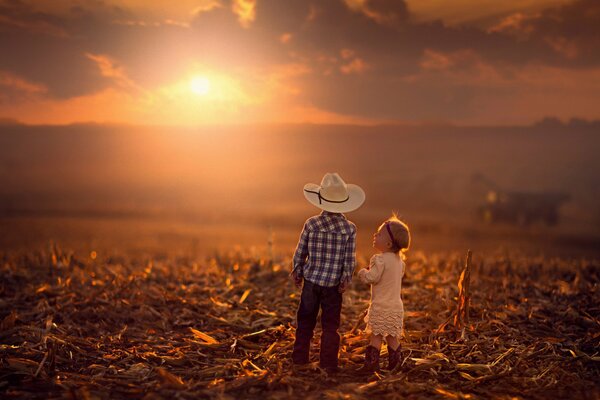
{"x":330,"y":301}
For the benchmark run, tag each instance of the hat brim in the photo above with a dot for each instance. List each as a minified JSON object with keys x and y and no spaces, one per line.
{"x":356,"y":197}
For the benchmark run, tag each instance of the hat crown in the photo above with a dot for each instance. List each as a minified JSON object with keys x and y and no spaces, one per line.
{"x":334,"y":195}
{"x":333,"y":187}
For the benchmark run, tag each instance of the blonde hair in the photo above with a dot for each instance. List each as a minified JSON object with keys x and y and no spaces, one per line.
{"x":400,"y":233}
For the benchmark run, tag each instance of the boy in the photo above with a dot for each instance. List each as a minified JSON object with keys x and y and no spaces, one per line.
{"x":325,"y":259}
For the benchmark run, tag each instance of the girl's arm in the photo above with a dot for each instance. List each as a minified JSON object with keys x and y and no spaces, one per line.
{"x":372,"y":275}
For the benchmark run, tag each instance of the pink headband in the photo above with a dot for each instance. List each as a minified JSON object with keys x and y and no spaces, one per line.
{"x":387,"y":225}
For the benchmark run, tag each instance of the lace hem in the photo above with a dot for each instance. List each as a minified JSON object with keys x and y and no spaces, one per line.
{"x":385,"y":323}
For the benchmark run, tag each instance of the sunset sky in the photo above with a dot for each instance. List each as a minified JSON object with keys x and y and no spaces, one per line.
{"x":193,"y":62}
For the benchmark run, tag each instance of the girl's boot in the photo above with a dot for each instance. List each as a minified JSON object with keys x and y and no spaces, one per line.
{"x":393,"y":357}
{"x":371,"y":361}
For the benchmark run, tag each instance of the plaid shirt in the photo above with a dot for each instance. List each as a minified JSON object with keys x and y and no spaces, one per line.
{"x":326,"y":251}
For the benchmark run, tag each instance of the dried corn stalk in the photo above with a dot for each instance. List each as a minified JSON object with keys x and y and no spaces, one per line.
{"x":461,"y":319}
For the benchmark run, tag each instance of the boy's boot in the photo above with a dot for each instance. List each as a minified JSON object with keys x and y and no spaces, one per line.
{"x":393,"y":357}
{"x":371,"y":361}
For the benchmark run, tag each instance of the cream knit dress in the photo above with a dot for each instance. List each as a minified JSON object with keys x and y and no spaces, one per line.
{"x":386,"y":311}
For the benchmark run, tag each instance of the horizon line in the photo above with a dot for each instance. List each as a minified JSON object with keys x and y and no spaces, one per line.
{"x":549,"y":120}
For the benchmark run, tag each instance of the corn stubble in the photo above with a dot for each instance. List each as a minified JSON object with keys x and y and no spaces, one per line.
{"x":223,"y":327}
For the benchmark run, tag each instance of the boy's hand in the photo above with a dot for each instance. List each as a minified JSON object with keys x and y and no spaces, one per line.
{"x":297,"y":279}
{"x":343,"y":286}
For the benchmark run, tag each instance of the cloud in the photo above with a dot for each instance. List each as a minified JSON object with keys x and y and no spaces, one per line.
{"x":483,"y":13}
{"x":571,"y":31}
{"x":384,"y":12}
{"x":109,"y":68}
{"x":245,"y":11}
{"x":14,"y":88}
{"x":517,"y":24}
{"x":50,"y":49}
{"x":206,"y":6}
{"x":507,"y":94}
{"x":16,"y":15}
{"x":465,"y":58}
{"x":361,"y":58}
{"x":352,"y":63}
{"x":9,"y":80}
{"x":142,"y":23}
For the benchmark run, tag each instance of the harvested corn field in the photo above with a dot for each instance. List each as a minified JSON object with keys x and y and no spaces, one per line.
{"x":223,"y":327}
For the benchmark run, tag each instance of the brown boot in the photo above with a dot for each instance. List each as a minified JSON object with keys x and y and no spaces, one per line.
{"x":393,"y":357}
{"x":371,"y":361}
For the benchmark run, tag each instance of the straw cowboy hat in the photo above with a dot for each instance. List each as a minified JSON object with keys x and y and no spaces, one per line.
{"x":334,"y":194}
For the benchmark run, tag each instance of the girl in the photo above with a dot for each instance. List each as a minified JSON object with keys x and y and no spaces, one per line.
{"x":386,"y":311}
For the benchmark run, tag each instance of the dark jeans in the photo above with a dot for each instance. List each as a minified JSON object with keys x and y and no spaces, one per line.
{"x":330,"y":302}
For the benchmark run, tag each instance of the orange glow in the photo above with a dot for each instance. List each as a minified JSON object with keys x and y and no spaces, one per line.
{"x":206,"y":97}
{"x":278,"y":98}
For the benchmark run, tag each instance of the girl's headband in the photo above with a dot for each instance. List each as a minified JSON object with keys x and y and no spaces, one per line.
{"x":387,"y":225}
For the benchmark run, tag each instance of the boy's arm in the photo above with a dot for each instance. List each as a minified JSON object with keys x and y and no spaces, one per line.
{"x":300,"y":254}
{"x":349,"y":260}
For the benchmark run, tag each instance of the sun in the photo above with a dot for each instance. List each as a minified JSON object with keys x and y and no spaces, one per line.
{"x":200,"y":85}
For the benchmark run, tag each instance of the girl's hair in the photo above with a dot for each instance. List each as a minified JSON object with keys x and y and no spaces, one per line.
{"x":400,"y":232}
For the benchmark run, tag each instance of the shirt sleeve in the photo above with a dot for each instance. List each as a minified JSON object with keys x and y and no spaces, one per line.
{"x":301,"y":253}
{"x":349,"y":259}
{"x":372,"y":275}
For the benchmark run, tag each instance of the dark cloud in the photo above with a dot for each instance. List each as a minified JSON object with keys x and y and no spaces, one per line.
{"x":60,"y":66}
{"x":394,"y":8}
{"x":394,"y":52}
{"x":387,"y":12}
{"x":50,"y":50}
{"x":283,"y":16}
{"x":378,"y":98}
{"x":15,"y":14}
{"x":572,"y":31}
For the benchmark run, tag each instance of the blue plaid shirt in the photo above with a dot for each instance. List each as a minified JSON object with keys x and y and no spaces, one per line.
{"x":326,"y":251}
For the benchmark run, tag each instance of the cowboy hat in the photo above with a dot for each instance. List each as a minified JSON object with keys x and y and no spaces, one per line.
{"x":334,"y":194}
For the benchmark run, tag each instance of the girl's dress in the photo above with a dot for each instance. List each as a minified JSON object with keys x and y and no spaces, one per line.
{"x":386,"y":311}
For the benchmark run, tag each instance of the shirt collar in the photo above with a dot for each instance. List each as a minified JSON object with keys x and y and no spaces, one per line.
{"x":332,"y":214}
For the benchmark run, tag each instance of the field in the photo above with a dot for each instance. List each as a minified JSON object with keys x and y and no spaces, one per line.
{"x":156,"y":158}
{"x":173,"y":326}
{"x":153,"y":263}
